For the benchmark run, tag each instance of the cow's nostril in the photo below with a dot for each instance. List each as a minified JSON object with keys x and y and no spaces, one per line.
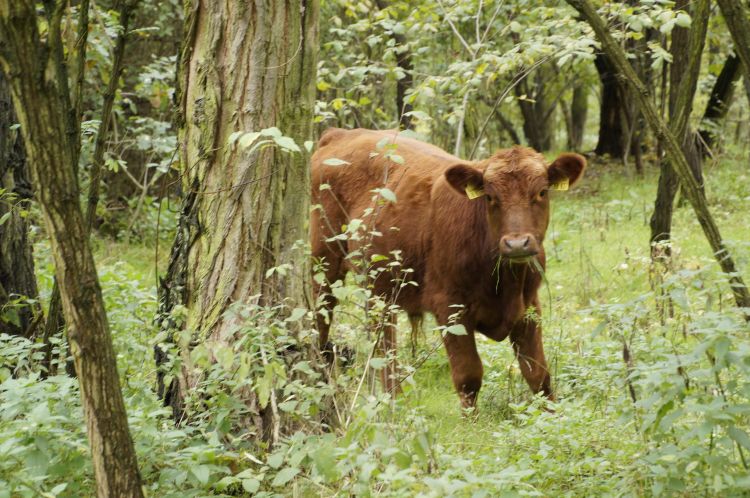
{"x":526,"y":242}
{"x":508,"y":243}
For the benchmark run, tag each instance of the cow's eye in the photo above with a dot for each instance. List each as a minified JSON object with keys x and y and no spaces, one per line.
{"x":542,"y":194}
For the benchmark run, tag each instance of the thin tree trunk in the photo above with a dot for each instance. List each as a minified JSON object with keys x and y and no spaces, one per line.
{"x":244,"y":67}
{"x":687,"y":47}
{"x":19,"y":313}
{"x":672,"y":147}
{"x":56,"y":320}
{"x":39,"y":83}
{"x":735,"y":16}
{"x":578,"y":112}
{"x":718,"y":103}
{"x":403,"y":60}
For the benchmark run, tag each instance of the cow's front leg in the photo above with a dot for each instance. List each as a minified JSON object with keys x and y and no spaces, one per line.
{"x":466,"y":366}
{"x":526,"y":337}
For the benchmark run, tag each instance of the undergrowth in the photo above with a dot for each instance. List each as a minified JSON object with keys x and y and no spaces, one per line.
{"x":650,"y":362}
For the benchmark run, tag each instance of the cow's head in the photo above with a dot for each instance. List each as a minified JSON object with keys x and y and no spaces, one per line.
{"x":514,"y":186}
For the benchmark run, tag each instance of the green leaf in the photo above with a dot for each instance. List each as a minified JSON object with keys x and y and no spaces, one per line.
{"x":296,"y":315}
{"x":284,"y":476}
{"x":456,"y":329}
{"x":287,"y":144}
{"x":234,"y":136}
{"x":201,"y":472}
{"x":248,"y":139}
{"x":4,"y":218}
{"x":335,"y":162}
{"x":59,"y":488}
{"x":739,"y":436}
{"x":251,"y":485}
{"x":275,"y":460}
{"x":378,"y":363}
{"x":271,"y":132}
{"x":683,"y":20}
{"x":387,"y":194}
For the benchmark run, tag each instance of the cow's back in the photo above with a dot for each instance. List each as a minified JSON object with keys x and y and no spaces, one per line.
{"x":370,"y":163}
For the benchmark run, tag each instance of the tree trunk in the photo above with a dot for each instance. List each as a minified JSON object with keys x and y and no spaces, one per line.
{"x":244,"y":67}
{"x":536,"y":112}
{"x":612,"y":119}
{"x":672,"y":147}
{"x":55,"y":318}
{"x":38,"y":75}
{"x":718,"y":103}
{"x":687,"y":47}
{"x":403,"y":61}
{"x":578,"y":111}
{"x":18,"y":289}
{"x":735,"y":16}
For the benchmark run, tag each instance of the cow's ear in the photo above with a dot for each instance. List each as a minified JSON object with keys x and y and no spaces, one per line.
{"x":466,"y":180}
{"x":566,"y":170}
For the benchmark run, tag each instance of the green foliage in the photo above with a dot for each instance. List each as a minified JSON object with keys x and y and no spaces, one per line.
{"x":689,"y":354}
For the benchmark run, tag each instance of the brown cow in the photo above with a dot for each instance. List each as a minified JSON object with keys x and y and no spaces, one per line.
{"x":475,"y":253}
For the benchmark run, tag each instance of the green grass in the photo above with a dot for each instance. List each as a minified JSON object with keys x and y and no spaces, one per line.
{"x":596,"y":443}
{"x":598,"y":253}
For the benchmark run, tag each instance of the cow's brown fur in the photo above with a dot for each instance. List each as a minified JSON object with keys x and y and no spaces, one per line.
{"x":452,"y":243}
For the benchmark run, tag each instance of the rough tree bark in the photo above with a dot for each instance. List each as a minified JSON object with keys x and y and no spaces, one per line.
{"x":244,"y":67}
{"x":686,"y":49}
{"x":672,"y":148}
{"x":37,"y":72}
{"x":718,"y":103}
{"x":17,"y":279}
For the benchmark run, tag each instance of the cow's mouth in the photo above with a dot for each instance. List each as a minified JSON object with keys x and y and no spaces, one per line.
{"x":519,"y":259}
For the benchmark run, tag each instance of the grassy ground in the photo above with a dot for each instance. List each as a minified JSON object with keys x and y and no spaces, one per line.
{"x":598,"y":256}
{"x":597,"y":443}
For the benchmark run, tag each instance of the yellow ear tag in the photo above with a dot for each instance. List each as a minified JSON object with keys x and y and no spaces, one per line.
{"x":473,"y":192}
{"x":561,"y":185}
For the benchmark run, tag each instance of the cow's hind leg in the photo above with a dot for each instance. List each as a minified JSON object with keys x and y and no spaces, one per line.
{"x":526,"y":337}
{"x":415,"y":320}
{"x":331,"y":268}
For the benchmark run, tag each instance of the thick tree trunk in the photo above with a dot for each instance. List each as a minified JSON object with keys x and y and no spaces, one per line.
{"x":39,"y":84}
{"x":18,"y":289}
{"x":612,"y":117}
{"x":718,"y":102}
{"x":672,"y":147}
{"x":244,"y":67}
{"x":687,"y":47}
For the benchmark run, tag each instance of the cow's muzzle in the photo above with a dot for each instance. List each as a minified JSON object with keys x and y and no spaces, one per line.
{"x":518,"y":247}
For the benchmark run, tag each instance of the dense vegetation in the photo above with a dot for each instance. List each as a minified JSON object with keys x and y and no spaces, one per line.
{"x":648,"y":350}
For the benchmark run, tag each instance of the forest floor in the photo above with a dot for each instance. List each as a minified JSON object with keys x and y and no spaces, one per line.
{"x":599,"y":296}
